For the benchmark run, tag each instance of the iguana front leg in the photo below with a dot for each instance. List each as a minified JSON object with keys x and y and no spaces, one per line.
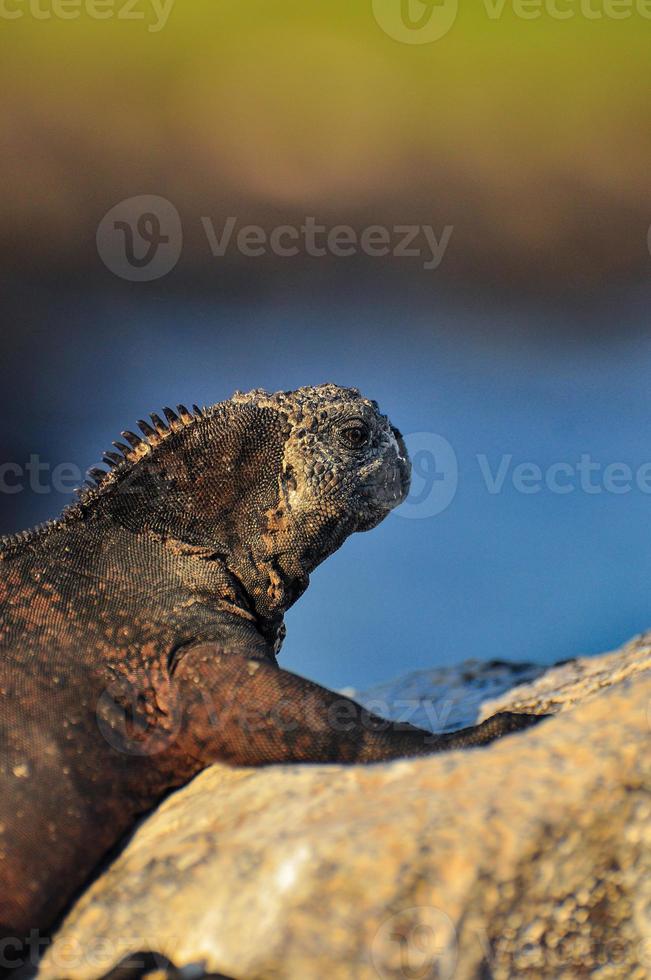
{"x":249,"y":712}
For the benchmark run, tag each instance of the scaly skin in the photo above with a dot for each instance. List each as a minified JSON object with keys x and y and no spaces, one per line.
{"x":139,"y":632}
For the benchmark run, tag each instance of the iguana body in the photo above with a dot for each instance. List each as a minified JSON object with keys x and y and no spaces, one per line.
{"x":138,"y":632}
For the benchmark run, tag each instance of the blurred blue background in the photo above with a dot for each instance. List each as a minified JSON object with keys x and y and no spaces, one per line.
{"x":509,"y":575}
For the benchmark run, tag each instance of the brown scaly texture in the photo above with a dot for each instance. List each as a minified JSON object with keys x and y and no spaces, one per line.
{"x":139,"y":632}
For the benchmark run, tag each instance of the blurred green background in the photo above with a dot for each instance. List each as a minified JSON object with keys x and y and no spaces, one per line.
{"x":531,"y":137}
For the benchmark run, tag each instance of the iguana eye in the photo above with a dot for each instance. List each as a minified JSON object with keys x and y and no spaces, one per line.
{"x":355,"y":435}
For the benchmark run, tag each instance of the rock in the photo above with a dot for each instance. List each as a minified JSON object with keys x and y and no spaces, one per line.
{"x":574,"y":681}
{"x":445,"y":698}
{"x":529,"y":858}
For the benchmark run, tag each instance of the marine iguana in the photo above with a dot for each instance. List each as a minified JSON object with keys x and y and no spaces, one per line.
{"x":139,"y":631}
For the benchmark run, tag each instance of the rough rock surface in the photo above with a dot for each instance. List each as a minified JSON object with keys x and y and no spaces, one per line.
{"x":529,"y":858}
{"x":576,"y":680}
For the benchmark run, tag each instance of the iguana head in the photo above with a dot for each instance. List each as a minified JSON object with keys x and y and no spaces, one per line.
{"x":270,"y":484}
{"x":341,"y":457}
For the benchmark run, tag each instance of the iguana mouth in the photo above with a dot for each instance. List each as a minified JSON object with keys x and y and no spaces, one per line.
{"x":404,"y":465}
{"x":397,"y":486}
{"x":387,"y":483}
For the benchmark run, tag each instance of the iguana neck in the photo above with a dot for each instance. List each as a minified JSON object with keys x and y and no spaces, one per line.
{"x":185,"y":587}
{"x":258,"y":578}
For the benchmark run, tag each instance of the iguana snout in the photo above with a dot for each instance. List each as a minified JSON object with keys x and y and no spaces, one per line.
{"x":349,"y":464}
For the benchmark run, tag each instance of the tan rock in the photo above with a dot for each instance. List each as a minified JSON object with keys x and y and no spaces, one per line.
{"x":576,"y":681}
{"x":529,"y":858}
